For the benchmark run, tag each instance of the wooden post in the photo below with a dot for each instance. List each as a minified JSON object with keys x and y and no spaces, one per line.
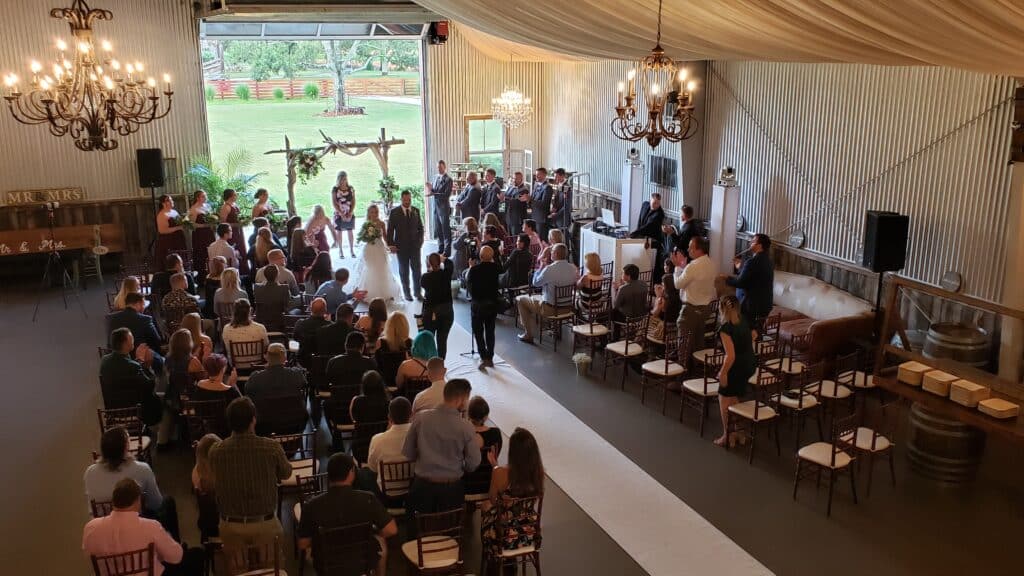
{"x":291,"y":176}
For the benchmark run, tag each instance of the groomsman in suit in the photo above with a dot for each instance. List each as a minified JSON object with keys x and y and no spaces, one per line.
{"x":540,"y":201}
{"x":561,"y":204}
{"x":492,"y":194}
{"x":649,"y":225}
{"x":517,"y":198}
{"x":678,"y":239}
{"x":469,"y":200}
{"x":405,"y":237}
{"x":440,"y":190}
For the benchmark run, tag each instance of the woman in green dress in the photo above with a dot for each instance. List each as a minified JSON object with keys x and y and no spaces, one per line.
{"x":740,"y":361}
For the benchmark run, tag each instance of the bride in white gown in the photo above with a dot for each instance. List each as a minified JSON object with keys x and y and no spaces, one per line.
{"x":373,"y":271}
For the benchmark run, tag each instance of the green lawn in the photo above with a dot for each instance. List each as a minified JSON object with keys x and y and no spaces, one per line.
{"x":262,"y":126}
{"x":326,"y":74}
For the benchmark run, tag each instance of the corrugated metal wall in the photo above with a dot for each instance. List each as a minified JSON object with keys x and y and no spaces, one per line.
{"x":161,"y":34}
{"x":459,"y":80}
{"x":816,"y":145}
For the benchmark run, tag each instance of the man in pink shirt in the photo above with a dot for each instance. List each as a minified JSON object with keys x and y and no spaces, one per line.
{"x":124,"y":531}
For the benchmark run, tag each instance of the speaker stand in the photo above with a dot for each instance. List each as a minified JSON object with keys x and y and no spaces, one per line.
{"x":878,"y":306}
{"x":156,"y":231}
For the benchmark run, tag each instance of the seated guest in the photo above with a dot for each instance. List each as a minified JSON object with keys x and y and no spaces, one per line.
{"x":127,"y":378}
{"x":284,"y":276}
{"x":443,"y":447}
{"x":216,"y":266}
{"x":290,"y":226}
{"x":334,"y":290}
{"x":631,"y":296}
{"x":141,"y":325}
{"x":434,"y":396}
{"x":479,"y":480}
{"x":223,"y":247}
{"x":555,"y":236}
{"x":181,"y":367}
{"x":341,"y":506}
{"x":589,"y":292}
{"x":178,"y":299}
{"x":202,"y":345}
{"x":372,"y":323}
{"x":371,"y":405}
{"x":492,"y":239}
{"x":258,"y":224}
{"x":530,"y":229}
{"x":466,"y":245}
{"x":230,"y":291}
{"x":278,"y":393}
{"x":125,"y":531}
{"x":331,"y":339}
{"x":500,"y":232}
{"x":305,"y":329}
{"x":300,"y":255}
{"x":319,"y":272}
{"x":519,"y":264}
{"x":204,"y":484}
{"x":423,"y":349}
{"x":393,"y":347}
{"x":387,"y":446}
{"x":214,"y":387}
{"x":264,"y":244}
{"x":522,"y":477}
{"x":348,"y":369}
{"x":667,"y":306}
{"x":160,"y":283}
{"x":129,"y":285}
{"x":243,"y":329}
{"x":272,"y":300}
{"x":438,"y":314}
{"x":558,"y":273}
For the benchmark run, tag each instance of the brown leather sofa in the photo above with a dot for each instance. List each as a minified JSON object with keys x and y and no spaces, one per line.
{"x":833,"y":317}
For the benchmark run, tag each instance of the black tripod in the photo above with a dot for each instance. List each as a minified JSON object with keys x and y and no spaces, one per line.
{"x":53,"y":259}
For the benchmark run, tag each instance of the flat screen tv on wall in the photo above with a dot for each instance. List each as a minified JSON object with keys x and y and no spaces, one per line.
{"x":663,"y":171}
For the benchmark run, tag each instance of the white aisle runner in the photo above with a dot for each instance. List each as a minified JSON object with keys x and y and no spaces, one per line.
{"x":664,"y":535}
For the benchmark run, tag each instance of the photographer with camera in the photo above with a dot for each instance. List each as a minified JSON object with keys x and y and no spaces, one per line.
{"x":485,"y":293}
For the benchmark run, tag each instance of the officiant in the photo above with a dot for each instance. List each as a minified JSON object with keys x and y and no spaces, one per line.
{"x":405,"y":237}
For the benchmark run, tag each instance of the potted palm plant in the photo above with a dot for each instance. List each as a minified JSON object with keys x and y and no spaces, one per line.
{"x":232,"y":172}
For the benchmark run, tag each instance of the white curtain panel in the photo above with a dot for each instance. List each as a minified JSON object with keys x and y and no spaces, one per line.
{"x":981,"y":35}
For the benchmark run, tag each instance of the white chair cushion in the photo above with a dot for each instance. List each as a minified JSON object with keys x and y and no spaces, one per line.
{"x":696,"y":386}
{"x":787,"y":365}
{"x":345,"y":427}
{"x":299,"y":468}
{"x":657,"y":368}
{"x":297,"y":512}
{"x":323,"y":394}
{"x":293,"y":346}
{"x":757,"y":373}
{"x":863,"y":380}
{"x":590,"y":330}
{"x":620,"y":348}
{"x":476,"y":497}
{"x":396,"y":511}
{"x":432,"y":559}
{"x":746,"y":410}
{"x":863,"y":441}
{"x":702,"y":355}
{"x":518,"y":551}
{"x":821,"y":454}
{"x":830,"y":389}
{"x":793,"y":403}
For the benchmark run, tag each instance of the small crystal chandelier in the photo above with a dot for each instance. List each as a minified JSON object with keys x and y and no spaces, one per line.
{"x":511,"y":108}
{"x":653,"y":78}
{"x":89,"y":96}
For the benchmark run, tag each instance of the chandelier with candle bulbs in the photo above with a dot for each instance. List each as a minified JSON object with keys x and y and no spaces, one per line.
{"x":667,"y":97}
{"x":86,"y":93}
{"x":511,"y":108}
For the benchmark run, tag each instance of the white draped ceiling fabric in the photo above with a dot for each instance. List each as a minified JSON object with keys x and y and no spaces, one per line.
{"x":983,"y":35}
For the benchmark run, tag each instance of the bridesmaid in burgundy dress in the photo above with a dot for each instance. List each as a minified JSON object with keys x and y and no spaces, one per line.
{"x":170,"y":235}
{"x":202,"y":234}
{"x":229,"y":214}
{"x":315,"y":229}
{"x":262,"y":207}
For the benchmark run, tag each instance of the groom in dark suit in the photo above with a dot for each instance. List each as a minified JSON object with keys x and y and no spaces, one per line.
{"x":405,"y":237}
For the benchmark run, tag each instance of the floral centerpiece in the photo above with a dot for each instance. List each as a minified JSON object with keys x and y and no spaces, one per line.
{"x":308,"y":165}
{"x":368,"y":234}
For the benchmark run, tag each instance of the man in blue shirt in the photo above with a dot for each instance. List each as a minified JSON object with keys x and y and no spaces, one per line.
{"x":333,"y":291}
{"x":556,"y":272}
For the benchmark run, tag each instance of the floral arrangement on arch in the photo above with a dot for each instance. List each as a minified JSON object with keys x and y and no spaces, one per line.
{"x":369,"y":234}
{"x":308,"y":165}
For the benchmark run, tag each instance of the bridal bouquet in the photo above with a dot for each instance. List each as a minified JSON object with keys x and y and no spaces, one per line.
{"x":368,"y":234}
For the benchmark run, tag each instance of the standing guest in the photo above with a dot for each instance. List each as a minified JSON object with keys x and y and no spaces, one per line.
{"x":318,"y":272}
{"x":479,"y":481}
{"x":443,"y":447}
{"x":170,"y":234}
{"x":405,"y":239}
{"x":264,"y":244}
{"x":561,"y":201}
{"x":696,"y":283}
{"x":492,"y":195}
{"x":531,"y":308}
{"x":438,"y":314}
{"x":423,"y":349}
{"x":371,"y":405}
{"x":689,"y":228}
{"x":229,"y":214}
{"x":468,"y":201}
{"x":393,"y":346}
{"x":341,"y":506}
{"x":204,"y":484}
{"x":216,"y":266}
{"x":343,"y":198}
{"x":202,"y":233}
{"x":631,"y":296}
{"x":230,"y":291}
{"x":126,"y":376}
{"x":261,"y":209}
{"x":141,"y":325}
{"x":300,"y":256}
{"x":333,"y":291}
{"x":492,"y":238}
{"x":124,"y":531}
{"x":387,"y":446}
{"x":540,"y":200}
{"x":372,"y":323}
{"x":667,"y":306}
{"x":278,"y":393}
{"x":530,"y":229}
{"x":756,"y":280}
{"x":223,"y":246}
{"x":740,"y":361}
{"x":129,"y":285}
{"x":276,"y":258}
{"x":116,"y":464}
{"x":272,"y":300}
{"x":202,"y":345}
{"x":215,"y":386}
{"x":434,"y":396}
{"x":290,"y":225}
{"x":519,"y":264}
{"x":178,"y":299}
{"x":243,"y":329}
{"x":248,"y":469}
{"x":331,"y":339}
{"x":589,"y":292}
{"x":485,"y":292}
{"x":466,"y":245}
{"x":523,"y":477}
{"x":306,"y":329}
{"x":652,"y":216}
{"x":517,"y":199}
{"x":315,"y":230}
{"x":440,"y":191}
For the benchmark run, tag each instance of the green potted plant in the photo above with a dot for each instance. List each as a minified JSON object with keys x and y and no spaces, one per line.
{"x":203,"y":173}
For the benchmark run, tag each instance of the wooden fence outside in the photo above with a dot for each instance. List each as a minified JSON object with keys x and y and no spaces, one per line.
{"x":264,"y":90}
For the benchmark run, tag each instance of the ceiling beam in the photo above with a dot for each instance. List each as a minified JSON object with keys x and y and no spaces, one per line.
{"x":391,"y":13}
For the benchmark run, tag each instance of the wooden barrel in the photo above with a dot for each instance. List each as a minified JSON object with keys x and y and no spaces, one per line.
{"x":959,"y":342}
{"x":943,"y":449}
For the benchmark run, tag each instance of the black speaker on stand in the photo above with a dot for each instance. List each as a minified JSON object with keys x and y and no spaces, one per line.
{"x":150,"y":165}
{"x":885,"y":248}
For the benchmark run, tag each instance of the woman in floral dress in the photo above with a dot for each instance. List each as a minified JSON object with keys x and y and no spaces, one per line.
{"x":523,"y":477}
{"x":343,"y":196}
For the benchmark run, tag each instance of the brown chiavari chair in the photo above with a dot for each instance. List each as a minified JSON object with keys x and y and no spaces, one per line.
{"x":395,"y":480}
{"x":665,"y":371}
{"x":300,"y":449}
{"x":110,"y":301}
{"x":769,"y":330}
{"x":101,"y":509}
{"x":711,"y":323}
{"x":359,"y":444}
{"x":833,"y":457}
{"x":140,"y":270}
{"x":307,"y":488}
{"x":761,"y":412}
{"x":838,"y":390}
{"x":262,"y":558}
{"x":346,"y":550}
{"x":631,"y":345}
{"x":562,"y":315}
{"x":698,"y":392}
{"x":225,"y":311}
{"x":876,"y":442}
{"x":290,"y":320}
{"x":438,"y":549}
{"x":607,"y":269}
{"x":319,"y":386}
{"x":769,"y":358}
{"x":135,"y":563}
{"x":794,"y":359}
{"x":592,"y":318}
{"x":522,"y":515}
{"x":413,"y":386}
{"x":337,"y":414}
{"x":246,"y":357}
{"x":131,"y":419}
{"x":186,"y":259}
{"x":205,"y":417}
{"x":801,"y":401}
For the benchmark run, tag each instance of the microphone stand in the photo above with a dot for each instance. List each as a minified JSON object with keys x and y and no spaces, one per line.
{"x":54,"y":259}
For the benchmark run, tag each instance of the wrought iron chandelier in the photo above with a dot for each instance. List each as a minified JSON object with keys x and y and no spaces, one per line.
{"x":667,"y":113}
{"x":511,"y":108}
{"x":88,"y":95}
